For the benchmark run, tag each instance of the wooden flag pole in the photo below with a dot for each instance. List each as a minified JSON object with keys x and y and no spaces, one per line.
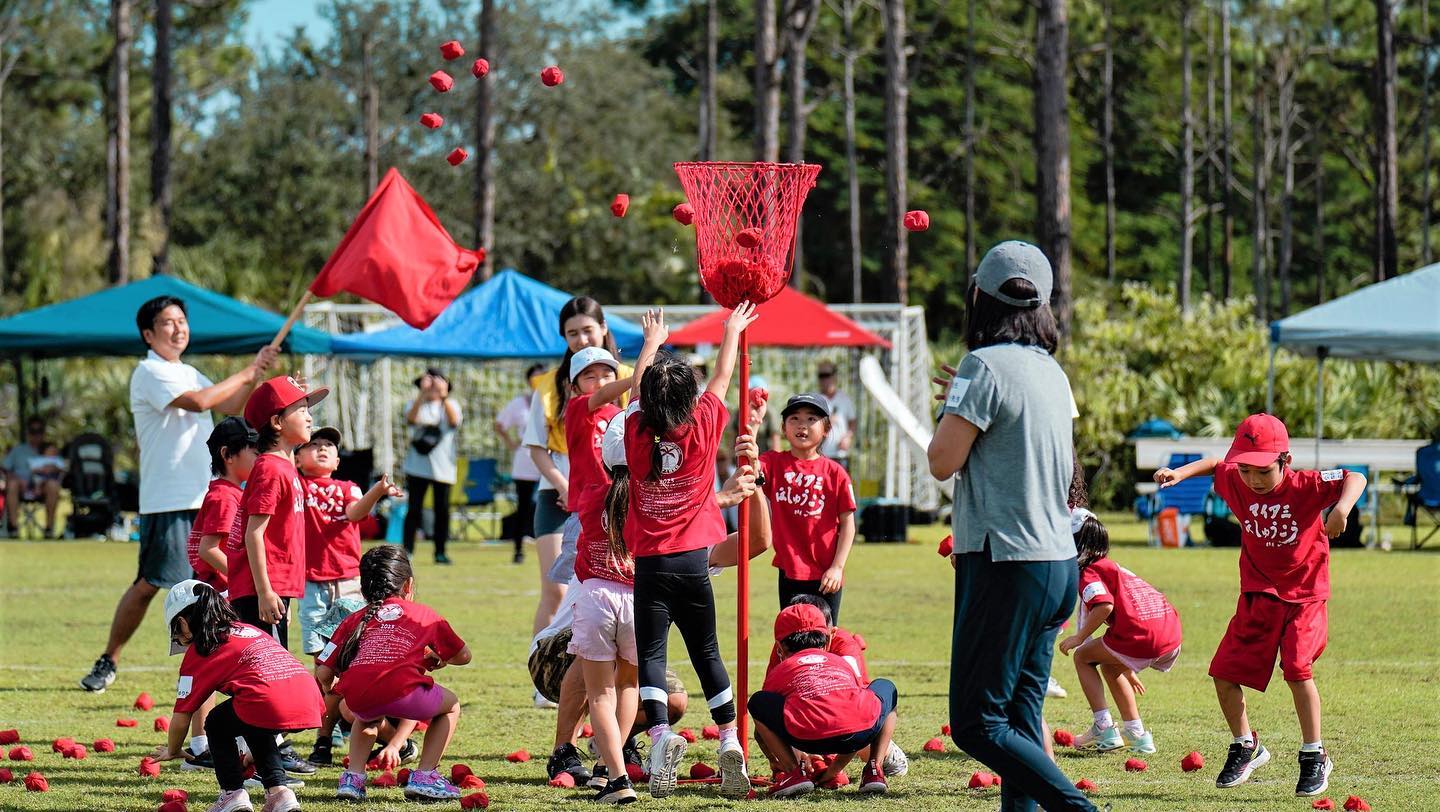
{"x":295,"y":315}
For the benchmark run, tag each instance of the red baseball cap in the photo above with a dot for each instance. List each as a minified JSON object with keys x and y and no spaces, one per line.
{"x":275,"y":396}
{"x":1259,"y":440}
{"x":802,"y":617}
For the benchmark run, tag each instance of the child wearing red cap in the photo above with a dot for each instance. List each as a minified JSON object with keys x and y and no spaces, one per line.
{"x":815,"y":702}
{"x":383,"y":657}
{"x":812,"y":506}
{"x":1144,"y":632}
{"x":1284,"y":584}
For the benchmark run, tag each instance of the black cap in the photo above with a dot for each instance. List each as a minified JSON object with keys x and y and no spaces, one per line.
{"x":329,"y":433}
{"x":229,"y":431}
{"x":806,"y":400}
{"x":434,"y":373}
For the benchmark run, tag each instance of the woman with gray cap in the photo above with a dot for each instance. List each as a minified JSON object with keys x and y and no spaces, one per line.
{"x":430,"y":461}
{"x":1005,"y":436}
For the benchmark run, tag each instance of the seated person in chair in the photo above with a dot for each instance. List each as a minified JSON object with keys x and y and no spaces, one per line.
{"x":25,"y":482}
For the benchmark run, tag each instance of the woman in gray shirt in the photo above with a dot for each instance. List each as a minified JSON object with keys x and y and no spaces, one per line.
{"x":1005,"y":435}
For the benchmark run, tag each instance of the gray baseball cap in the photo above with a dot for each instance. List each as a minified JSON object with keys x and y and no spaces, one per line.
{"x":1014,"y":259}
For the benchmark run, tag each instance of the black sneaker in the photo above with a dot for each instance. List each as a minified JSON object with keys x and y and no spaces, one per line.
{"x":442,"y":559}
{"x":632,"y":754}
{"x":102,"y":673}
{"x":619,"y":791}
{"x":324,"y":753}
{"x":566,"y":759}
{"x":201,"y":762}
{"x":1315,"y":769}
{"x":599,"y":777}
{"x":408,"y":751}
{"x":1241,"y":762}
{"x":519,"y":557}
{"x":293,"y":763}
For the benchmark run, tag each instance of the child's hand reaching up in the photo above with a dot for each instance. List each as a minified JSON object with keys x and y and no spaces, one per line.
{"x":387,"y":487}
{"x":652,"y":325}
{"x":741,"y":317}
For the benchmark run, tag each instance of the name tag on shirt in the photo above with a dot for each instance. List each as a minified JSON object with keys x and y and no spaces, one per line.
{"x":958,"y":388}
{"x":327,"y":651}
{"x":1332,"y":476}
{"x":184,"y":687}
{"x":1092,"y":591}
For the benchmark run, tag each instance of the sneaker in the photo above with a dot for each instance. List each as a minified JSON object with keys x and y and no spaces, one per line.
{"x":566,"y":759}
{"x":665,"y":756}
{"x":791,"y":784}
{"x":872,"y":781}
{"x":619,"y":791}
{"x":294,"y":764}
{"x":442,"y":559}
{"x":632,"y":754}
{"x":519,"y":558}
{"x":1241,"y":762}
{"x":1102,"y":740}
{"x":233,"y":801}
{"x":1143,"y":744}
{"x":324,"y":753}
{"x":102,"y":673}
{"x":281,"y":800}
{"x":431,"y":786}
{"x":896,"y":762}
{"x":734,"y":780}
{"x":1315,"y":769}
{"x":193,"y":762}
{"x":352,"y":786}
{"x":408,"y":751}
{"x":599,"y":777}
{"x":1054,"y":690}
{"x":291,"y":782}
{"x":542,"y":703}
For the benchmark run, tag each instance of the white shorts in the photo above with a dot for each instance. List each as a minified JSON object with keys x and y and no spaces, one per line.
{"x":1162,"y":663}
{"x":604,"y":626}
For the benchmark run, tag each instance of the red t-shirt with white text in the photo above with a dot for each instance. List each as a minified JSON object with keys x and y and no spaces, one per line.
{"x":1283,"y":547}
{"x":216,"y":517}
{"x":592,"y":550}
{"x":270,"y":688}
{"x":823,"y":696}
{"x":390,"y":662}
{"x":583,"y":431}
{"x":1143,"y":625}
{"x":807,"y":499}
{"x":332,"y":541}
{"x":273,"y":490}
{"x":676,"y":512}
{"x":844,"y":644}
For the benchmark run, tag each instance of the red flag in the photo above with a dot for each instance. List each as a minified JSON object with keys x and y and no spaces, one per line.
{"x":396,"y":254}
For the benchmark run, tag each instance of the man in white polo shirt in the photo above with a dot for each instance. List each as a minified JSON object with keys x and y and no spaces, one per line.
{"x":171,"y":402}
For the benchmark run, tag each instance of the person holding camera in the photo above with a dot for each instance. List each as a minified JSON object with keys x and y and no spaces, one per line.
{"x":434,"y":419}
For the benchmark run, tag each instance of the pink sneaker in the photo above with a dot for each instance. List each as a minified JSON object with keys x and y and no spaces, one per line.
{"x":281,"y":799}
{"x":789,"y":785}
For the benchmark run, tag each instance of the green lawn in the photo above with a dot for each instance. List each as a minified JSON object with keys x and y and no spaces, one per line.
{"x":1378,"y":680}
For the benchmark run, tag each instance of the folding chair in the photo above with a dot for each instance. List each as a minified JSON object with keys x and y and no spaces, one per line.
{"x":1426,"y":500}
{"x":476,"y":493}
{"x":1188,"y":497}
{"x":90,"y":475}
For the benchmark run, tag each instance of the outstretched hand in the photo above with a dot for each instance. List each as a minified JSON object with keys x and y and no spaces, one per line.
{"x":741,"y":317}
{"x":653,"y":326}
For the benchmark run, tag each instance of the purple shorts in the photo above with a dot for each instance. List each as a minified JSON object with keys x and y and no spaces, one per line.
{"x":421,"y":704}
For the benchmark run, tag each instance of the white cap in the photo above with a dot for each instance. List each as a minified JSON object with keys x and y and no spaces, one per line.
{"x":759,"y":382}
{"x":180,"y":597}
{"x":589,"y":356}
{"x":612,"y":444}
{"x":1077,"y":519}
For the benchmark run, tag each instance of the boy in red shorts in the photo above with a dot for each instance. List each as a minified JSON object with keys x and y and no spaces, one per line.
{"x":1284,"y":584}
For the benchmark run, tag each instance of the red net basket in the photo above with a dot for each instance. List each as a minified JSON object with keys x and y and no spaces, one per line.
{"x":745,"y":216}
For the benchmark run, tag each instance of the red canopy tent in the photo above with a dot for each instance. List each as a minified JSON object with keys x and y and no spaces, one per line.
{"x":791,"y":319}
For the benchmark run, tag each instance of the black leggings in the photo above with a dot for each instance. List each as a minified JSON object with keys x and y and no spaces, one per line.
{"x":675,"y":589}
{"x":790,"y":588}
{"x":416,"y":487}
{"x":522,"y":521}
{"x":221,"y":728}
{"x":248,"y":608}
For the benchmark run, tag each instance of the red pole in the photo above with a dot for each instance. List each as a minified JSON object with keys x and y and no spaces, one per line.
{"x":742,"y":581}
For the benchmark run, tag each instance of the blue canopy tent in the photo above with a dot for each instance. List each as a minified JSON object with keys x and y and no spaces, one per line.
{"x":1394,"y":320}
{"x":509,"y":316}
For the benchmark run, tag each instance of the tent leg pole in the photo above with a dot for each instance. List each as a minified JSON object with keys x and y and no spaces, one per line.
{"x":20,"y":394}
{"x":1270,"y":381}
{"x":1319,"y":401}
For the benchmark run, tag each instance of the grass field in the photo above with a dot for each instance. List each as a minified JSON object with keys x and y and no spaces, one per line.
{"x":1378,"y":680}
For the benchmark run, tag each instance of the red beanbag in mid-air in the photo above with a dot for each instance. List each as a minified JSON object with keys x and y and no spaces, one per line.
{"x":431,"y":121}
{"x":618,"y":207}
{"x":442,"y":81}
{"x":917,"y":220}
{"x":710,"y":732}
{"x":480,"y":68}
{"x":947,"y":548}
{"x":162,"y":724}
{"x":684,"y":214}
{"x":452,"y":50}
{"x":457,"y":156}
{"x":552,"y":76}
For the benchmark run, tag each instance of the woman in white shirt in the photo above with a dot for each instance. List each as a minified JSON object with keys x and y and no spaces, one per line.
{"x":434,"y":420}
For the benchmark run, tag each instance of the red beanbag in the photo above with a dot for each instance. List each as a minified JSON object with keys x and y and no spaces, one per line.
{"x":700,"y":770}
{"x":457,"y":156}
{"x":710,"y":732}
{"x":149,"y":768}
{"x":947,"y":548}
{"x":162,"y":724}
{"x":75,"y":751}
{"x":1323,"y":803}
{"x":981,"y":780}
{"x":175,"y":795}
{"x":944,"y":730}
{"x":470,"y":782}
{"x":518,"y":757}
{"x":480,"y":68}
{"x":451,"y":50}
{"x":687,"y":734}
{"x":459,"y":771}
{"x":552,"y":76}
{"x":404,"y":776}
{"x":636,"y":773}
{"x":475,"y":800}
{"x":441,"y":81}
{"x":935,"y":745}
{"x":684,"y":214}
{"x":431,"y":121}
{"x":6,"y":776}
{"x":62,"y":744}
{"x":618,"y":207}
{"x":749,"y":238}
{"x":144,"y":702}
{"x":1192,"y":762}
{"x":917,"y":220}
{"x":21,"y":753}
{"x":172,"y":806}
{"x":35,"y":782}
{"x":1135,"y":765}
{"x":385,"y":779}
{"x":10,"y":736}
{"x":126,"y":723}
{"x":1085,"y":785}
{"x":104,"y":746}
{"x":1063,"y":737}
{"x":563,"y":780}
{"x":1356,"y":804}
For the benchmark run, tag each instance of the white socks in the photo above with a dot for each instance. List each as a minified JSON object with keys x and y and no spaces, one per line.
{"x":1135,"y":728}
{"x":728,"y":734}
{"x":657,"y":732}
{"x":1312,"y":747}
{"x":1103,"y":721}
{"x":1248,"y":740}
{"x":199,"y":744}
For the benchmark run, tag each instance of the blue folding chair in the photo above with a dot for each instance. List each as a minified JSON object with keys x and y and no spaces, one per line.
{"x":1188,"y":497}
{"x":478,"y":492}
{"x":1427,"y":499}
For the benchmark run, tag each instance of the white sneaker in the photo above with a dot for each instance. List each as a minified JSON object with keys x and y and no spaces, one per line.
{"x":896,"y":762}
{"x":281,"y":800}
{"x":1053,"y":690}
{"x":542,"y":703}
{"x":235,"y":801}
{"x":734,"y":780}
{"x":664,"y":763}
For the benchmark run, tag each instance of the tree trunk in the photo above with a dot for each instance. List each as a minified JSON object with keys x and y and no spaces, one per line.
{"x":119,"y":262}
{"x":1207,"y":246}
{"x":897,"y":94}
{"x":800,"y":24}
{"x":160,"y":125}
{"x":1286,"y":76}
{"x":1107,"y":139}
{"x":852,"y":161}
{"x":1260,"y":142}
{"x":1227,"y":156}
{"x":767,"y":83}
{"x":1052,"y":151}
{"x":1319,"y":239}
{"x":1425,"y":133}
{"x":1187,"y":162}
{"x":485,"y":143}
{"x":709,"y":98}
{"x":971,"y":249}
{"x":1387,"y":202}
{"x":370,"y":101}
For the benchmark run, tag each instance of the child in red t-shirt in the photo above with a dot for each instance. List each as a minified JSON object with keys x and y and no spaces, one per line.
{"x":1284,"y":584}
{"x":232,"y":455}
{"x":383,"y":657}
{"x":333,"y":510}
{"x":812,"y":506}
{"x":271,"y":693}
{"x":815,"y":702}
{"x":672,"y":433}
{"x":267,"y":567}
{"x":1144,"y":632}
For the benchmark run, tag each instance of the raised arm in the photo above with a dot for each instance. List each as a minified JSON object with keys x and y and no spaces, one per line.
{"x":360,"y":508}
{"x":610,"y":392}
{"x":741,"y":317}
{"x":652,"y":324}
{"x":228,"y":396}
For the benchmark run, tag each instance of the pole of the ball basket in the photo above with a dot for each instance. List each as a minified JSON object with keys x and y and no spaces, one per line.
{"x":742,"y":581}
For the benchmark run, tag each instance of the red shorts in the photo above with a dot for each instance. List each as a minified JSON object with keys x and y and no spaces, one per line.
{"x":1263,"y":625}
